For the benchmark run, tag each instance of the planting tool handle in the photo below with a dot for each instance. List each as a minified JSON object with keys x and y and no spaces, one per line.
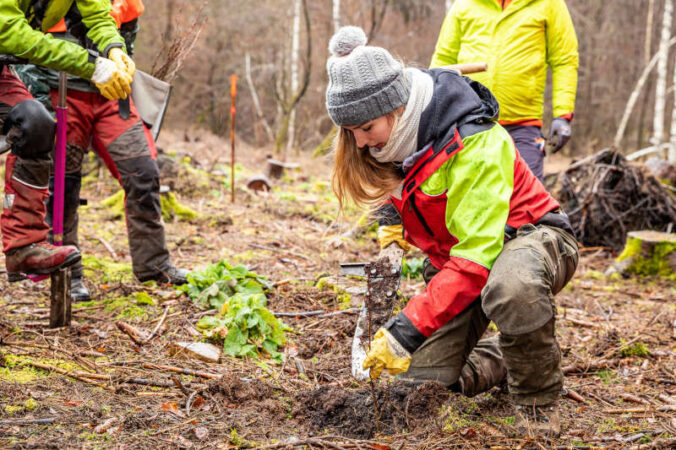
{"x":467,"y":68}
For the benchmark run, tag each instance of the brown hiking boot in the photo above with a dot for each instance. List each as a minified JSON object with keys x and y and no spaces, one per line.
{"x":534,"y":420}
{"x":39,"y":259}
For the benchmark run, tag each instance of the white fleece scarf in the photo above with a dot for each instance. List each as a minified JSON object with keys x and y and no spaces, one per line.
{"x":403,"y":139}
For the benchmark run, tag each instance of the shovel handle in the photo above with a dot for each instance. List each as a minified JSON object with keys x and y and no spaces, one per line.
{"x":466,"y":68}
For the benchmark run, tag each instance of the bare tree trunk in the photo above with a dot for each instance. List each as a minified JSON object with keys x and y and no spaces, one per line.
{"x":647,"y":51}
{"x":169,"y":27}
{"x":295,"y":44}
{"x":661,"y":88}
{"x":449,"y":4}
{"x":287,"y":101}
{"x":254,"y":96}
{"x":376,"y":18}
{"x":634,"y":96}
{"x":336,"y":15}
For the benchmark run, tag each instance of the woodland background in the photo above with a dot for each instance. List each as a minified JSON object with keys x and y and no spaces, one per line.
{"x":616,"y":41}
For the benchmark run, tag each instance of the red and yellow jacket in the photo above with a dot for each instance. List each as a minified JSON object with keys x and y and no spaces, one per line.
{"x":457,"y":199}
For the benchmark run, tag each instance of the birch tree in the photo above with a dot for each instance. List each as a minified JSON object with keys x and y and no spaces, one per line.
{"x":336,"y":15}
{"x":661,"y":88}
{"x":295,"y":44}
{"x":254,"y":97}
{"x":288,"y":98}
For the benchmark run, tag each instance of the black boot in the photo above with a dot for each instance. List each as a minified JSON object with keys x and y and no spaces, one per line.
{"x":71,"y":203}
{"x":78,"y":290}
{"x":172,"y":275}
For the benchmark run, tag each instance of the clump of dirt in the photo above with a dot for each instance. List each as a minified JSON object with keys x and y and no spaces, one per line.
{"x":351,"y":413}
{"x":238,"y":390}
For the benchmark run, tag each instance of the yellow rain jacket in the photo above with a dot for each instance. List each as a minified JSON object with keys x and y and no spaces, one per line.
{"x":518,"y":43}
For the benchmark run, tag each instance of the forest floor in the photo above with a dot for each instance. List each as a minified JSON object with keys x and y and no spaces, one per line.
{"x":90,"y":385}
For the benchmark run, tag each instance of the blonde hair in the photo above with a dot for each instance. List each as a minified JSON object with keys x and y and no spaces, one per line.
{"x":359,"y":176}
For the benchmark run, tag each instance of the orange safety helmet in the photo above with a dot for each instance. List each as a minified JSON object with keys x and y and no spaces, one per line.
{"x":123,"y":11}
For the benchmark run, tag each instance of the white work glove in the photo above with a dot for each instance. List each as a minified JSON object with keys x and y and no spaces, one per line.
{"x":123,"y":61}
{"x":111,"y":79}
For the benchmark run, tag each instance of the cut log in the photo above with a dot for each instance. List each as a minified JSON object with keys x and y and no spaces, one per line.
{"x":648,"y":253}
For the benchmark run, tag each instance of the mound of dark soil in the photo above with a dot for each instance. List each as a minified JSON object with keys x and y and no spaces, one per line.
{"x":352,"y":413}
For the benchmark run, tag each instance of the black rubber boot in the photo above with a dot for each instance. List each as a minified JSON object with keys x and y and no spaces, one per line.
{"x":78,"y":290}
{"x":172,"y":275}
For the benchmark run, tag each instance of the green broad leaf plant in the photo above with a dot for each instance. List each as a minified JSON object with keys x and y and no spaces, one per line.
{"x":244,"y":323}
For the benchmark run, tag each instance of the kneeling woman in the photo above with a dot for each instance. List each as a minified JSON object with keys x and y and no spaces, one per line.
{"x":428,"y":145}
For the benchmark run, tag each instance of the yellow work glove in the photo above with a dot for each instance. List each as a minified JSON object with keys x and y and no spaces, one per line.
{"x":392,"y":233}
{"x":386,"y":353}
{"x":113,"y":82}
{"x":119,"y":57}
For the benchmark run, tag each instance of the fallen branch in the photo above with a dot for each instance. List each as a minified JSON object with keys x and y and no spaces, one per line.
{"x":159,"y":325}
{"x":45,"y":421}
{"x":299,"y":313}
{"x":194,"y":373}
{"x":574,"y":395}
{"x":148,"y":382}
{"x":107,"y":246}
{"x":664,"y":408}
{"x":667,"y":399}
{"x":596,"y":365}
{"x":633,"y":399}
{"x":135,"y":334}
{"x":179,"y":385}
{"x":319,"y":313}
{"x":582,"y":323}
{"x":105,"y":425}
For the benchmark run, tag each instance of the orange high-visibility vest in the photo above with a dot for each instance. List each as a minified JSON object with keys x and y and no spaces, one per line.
{"x":123,"y":11}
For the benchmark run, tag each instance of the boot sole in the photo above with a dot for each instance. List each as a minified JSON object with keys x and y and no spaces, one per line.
{"x":71,"y":259}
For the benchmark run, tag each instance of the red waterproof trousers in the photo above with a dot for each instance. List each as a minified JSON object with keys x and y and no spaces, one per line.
{"x":26,"y":182}
{"x":128,"y":150}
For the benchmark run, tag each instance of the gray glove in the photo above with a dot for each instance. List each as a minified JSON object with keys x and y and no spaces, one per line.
{"x":559,"y":134}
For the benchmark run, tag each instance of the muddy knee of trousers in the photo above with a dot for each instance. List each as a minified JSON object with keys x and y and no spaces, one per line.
{"x":517,"y":296}
{"x":141,"y":182}
{"x":533,"y":362}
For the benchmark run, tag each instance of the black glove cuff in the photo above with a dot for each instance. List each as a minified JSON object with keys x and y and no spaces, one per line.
{"x":403,"y":330}
{"x":112,"y":46}
{"x":91,"y":58}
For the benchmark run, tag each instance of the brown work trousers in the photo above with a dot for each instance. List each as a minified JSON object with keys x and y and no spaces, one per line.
{"x":519,"y":299}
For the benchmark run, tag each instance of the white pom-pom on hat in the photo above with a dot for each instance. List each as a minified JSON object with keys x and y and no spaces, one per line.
{"x":346,"y":39}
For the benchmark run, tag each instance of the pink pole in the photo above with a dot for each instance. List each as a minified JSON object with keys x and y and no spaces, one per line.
{"x":60,"y":162}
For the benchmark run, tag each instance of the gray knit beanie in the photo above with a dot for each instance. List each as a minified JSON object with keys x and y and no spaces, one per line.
{"x":365,"y":82}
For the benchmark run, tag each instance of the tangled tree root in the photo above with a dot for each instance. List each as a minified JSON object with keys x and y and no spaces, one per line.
{"x":605,"y":197}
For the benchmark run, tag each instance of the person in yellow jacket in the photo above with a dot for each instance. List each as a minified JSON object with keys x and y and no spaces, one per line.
{"x":518,"y":39}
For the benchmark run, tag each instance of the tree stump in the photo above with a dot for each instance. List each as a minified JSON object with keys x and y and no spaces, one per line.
{"x":648,"y":253}
{"x":259,"y":183}
{"x":275,"y":169}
